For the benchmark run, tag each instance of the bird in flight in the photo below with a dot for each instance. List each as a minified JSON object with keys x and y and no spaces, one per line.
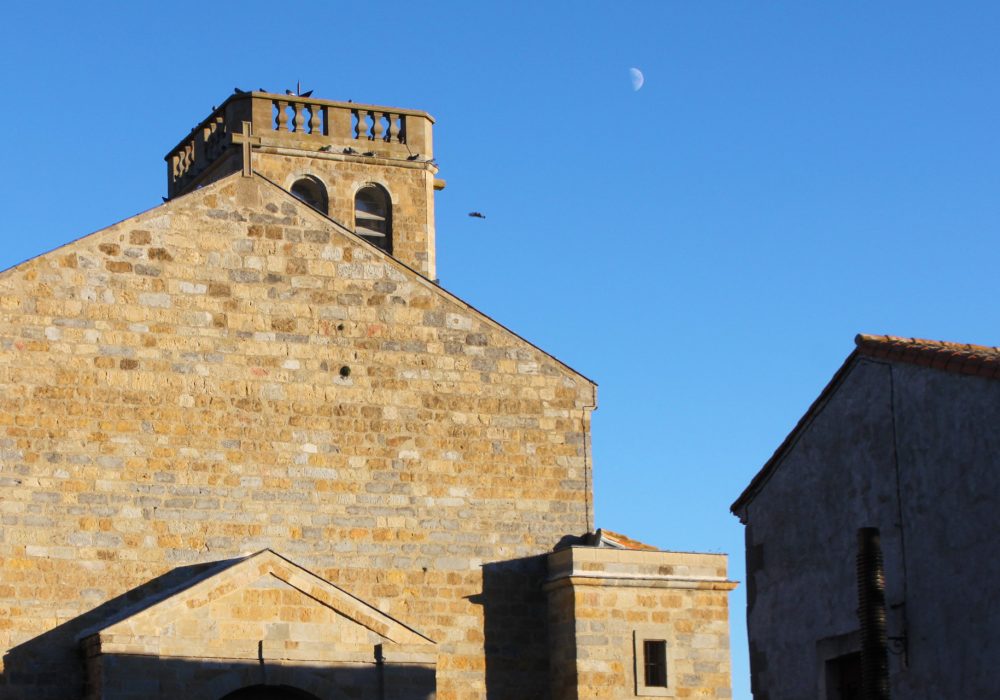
{"x":477,"y":215}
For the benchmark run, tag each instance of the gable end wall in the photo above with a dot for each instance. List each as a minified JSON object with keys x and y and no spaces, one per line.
{"x":230,"y":372}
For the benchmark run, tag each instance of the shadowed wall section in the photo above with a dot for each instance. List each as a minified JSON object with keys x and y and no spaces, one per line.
{"x":142,"y":677}
{"x":516,"y":654}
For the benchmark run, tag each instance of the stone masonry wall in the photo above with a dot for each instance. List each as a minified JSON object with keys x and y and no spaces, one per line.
{"x":258,"y":622}
{"x":600,"y":600}
{"x":410,"y":187}
{"x":231,"y":372}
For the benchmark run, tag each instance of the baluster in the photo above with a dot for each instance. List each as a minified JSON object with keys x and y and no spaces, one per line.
{"x":184,"y":161}
{"x":219,"y":132}
{"x":299,"y":119}
{"x":393,"y":136}
{"x":377,"y":127}
{"x":314,"y":122}
{"x":207,"y":135}
{"x":362,"y":127}
{"x":282,"y":116}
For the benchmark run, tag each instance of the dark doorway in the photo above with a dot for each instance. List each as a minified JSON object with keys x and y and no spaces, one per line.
{"x":269,"y":692}
{"x":843,"y":677}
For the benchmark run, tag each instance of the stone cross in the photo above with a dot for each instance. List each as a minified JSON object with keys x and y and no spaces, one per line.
{"x":249,"y":141}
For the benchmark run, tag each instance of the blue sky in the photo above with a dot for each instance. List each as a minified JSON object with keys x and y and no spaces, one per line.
{"x":706,"y":248}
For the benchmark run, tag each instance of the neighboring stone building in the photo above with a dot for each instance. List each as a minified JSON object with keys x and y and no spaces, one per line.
{"x":900,"y":450}
{"x":249,"y":448}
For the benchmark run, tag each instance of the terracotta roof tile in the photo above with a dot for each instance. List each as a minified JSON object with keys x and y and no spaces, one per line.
{"x":980,"y":360}
{"x":607,"y":538}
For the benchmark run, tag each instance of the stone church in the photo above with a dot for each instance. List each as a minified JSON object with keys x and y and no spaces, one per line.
{"x":249,"y":448}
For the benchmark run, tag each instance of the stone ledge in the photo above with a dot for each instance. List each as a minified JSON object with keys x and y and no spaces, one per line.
{"x":641,"y":582}
{"x":378,"y":159}
{"x":601,"y":562}
{"x":268,"y":652}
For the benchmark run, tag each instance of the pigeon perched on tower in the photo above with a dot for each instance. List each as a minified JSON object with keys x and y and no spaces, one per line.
{"x":298,"y":91}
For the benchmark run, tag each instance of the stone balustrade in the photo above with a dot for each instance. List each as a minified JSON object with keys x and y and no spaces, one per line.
{"x":330,"y":129}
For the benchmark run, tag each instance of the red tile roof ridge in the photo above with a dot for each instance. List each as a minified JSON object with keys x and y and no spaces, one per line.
{"x":961,"y":358}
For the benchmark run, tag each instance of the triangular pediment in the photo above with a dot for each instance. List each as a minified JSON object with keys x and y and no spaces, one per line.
{"x":262,"y":606}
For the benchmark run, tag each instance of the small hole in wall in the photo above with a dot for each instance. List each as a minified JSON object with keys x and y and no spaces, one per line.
{"x":340,"y":326}
{"x":345,"y":371}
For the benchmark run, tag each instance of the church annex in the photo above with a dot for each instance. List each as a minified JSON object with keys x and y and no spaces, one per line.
{"x":249,"y":448}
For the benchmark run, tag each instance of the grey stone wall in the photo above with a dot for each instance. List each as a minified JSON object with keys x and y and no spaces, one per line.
{"x":937,"y":430}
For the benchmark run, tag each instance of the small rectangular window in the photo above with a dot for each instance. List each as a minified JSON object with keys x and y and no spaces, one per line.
{"x":654,"y":659}
{"x":651,"y":662}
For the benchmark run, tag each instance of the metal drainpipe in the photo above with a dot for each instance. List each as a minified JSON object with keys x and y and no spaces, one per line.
{"x":872,"y":616}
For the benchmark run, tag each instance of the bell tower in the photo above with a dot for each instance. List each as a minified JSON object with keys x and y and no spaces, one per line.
{"x":369,"y":168}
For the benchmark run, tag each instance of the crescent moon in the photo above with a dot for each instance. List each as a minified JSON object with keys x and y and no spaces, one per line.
{"x":637,"y":78}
